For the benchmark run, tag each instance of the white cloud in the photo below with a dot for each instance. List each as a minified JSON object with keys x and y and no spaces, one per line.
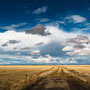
{"x":79,"y":45}
{"x":27,"y":59}
{"x":59,"y":60}
{"x":68,"y":48}
{"x":68,"y":61}
{"x":80,"y":39}
{"x":76,"y":18}
{"x":16,"y":59}
{"x":85,"y":51}
{"x":58,"y":34}
{"x":45,"y":59}
{"x":75,"y":52}
{"x":80,"y":52}
{"x":48,"y":56}
{"x":40,"y":10}
{"x":26,"y":40}
{"x":30,"y":40}
{"x":35,"y":52}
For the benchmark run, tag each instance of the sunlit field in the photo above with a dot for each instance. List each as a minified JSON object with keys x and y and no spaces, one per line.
{"x":45,"y":77}
{"x":13,"y":74}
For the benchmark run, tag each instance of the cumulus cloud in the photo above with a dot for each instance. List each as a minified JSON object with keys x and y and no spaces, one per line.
{"x":18,"y":59}
{"x":23,"y":40}
{"x":79,"y":39}
{"x":46,"y":59}
{"x":40,"y":10}
{"x":72,"y":43}
{"x":73,"y":47}
{"x":85,"y":51}
{"x":77,"y":46}
{"x":76,"y":18}
{"x":80,"y":52}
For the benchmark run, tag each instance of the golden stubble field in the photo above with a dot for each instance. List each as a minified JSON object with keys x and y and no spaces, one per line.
{"x":13,"y":74}
{"x":45,"y":77}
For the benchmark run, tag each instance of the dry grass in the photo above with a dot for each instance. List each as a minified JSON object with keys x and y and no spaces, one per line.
{"x":20,"y":77}
{"x":80,"y":71}
{"x":83,"y":69}
{"x":10,"y":75}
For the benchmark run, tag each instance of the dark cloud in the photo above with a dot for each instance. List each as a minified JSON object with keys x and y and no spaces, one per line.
{"x":26,"y":48}
{"x":79,"y":46}
{"x":10,"y":42}
{"x":38,"y":29}
{"x":40,"y":43}
{"x":13,"y":26}
{"x":79,"y":40}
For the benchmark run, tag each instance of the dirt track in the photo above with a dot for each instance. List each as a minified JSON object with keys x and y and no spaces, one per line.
{"x":59,"y":78}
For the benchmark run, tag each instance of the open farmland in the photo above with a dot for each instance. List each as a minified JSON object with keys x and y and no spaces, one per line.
{"x":45,"y":77}
{"x":13,"y":74}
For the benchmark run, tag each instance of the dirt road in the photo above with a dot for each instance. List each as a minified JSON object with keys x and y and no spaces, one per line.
{"x":59,"y":78}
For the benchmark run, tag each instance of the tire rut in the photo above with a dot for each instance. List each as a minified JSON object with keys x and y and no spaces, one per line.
{"x":58,"y":78}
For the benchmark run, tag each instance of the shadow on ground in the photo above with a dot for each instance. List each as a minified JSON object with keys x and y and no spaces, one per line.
{"x":57,"y":84}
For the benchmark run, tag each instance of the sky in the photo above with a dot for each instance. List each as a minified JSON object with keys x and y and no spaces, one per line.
{"x":44,"y":32}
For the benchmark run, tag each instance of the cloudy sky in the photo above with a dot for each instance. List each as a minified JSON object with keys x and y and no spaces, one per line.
{"x":44,"y":32}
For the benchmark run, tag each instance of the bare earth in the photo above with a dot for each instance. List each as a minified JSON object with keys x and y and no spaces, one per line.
{"x":45,"y":77}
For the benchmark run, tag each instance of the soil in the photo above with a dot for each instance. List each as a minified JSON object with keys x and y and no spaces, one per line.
{"x":58,"y":83}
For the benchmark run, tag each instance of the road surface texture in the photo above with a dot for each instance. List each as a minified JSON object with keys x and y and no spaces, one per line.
{"x":59,"y":78}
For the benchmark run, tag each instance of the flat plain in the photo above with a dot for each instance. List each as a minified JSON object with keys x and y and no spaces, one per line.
{"x":45,"y":77}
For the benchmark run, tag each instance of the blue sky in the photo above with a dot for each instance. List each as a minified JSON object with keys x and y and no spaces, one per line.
{"x":32,"y":11}
{"x":64,"y":37}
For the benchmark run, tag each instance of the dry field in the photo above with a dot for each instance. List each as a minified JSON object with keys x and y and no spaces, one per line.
{"x":45,"y":77}
{"x":13,"y":74}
